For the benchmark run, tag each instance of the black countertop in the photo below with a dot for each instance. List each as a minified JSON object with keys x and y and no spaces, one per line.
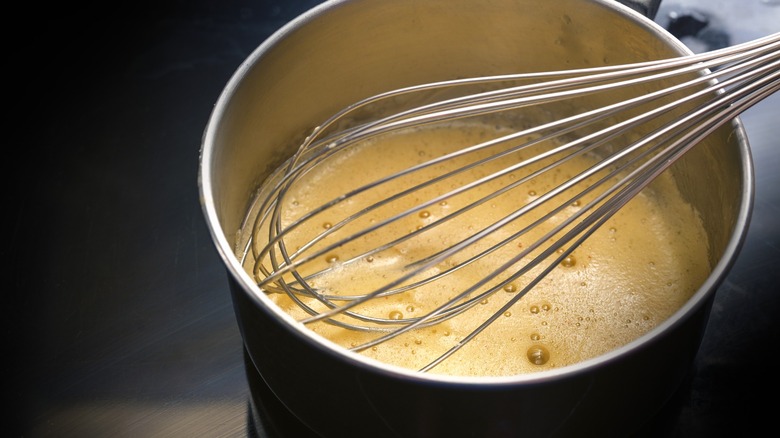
{"x":119,"y":320}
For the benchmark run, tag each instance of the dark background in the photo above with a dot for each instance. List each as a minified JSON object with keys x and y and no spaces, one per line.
{"x":118,"y":319}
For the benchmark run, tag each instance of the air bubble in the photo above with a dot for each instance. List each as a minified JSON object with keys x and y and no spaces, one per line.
{"x":425,"y":213}
{"x":332,"y":258}
{"x":327,"y":225}
{"x":569,"y":261}
{"x":510,"y":288}
{"x":396,"y":315}
{"x":538,"y":355}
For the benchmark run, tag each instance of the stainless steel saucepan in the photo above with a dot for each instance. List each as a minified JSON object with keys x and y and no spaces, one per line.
{"x":342,"y":51}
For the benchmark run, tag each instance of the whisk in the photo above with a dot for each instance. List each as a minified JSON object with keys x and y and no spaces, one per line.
{"x":646,"y":116}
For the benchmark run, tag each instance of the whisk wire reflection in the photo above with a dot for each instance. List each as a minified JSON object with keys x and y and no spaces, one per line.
{"x":715,"y":87}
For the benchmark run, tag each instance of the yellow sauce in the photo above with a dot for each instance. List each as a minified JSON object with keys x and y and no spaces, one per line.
{"x":630,"y":275}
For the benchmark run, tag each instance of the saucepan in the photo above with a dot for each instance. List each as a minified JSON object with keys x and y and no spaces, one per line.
{"x":345,"y":50}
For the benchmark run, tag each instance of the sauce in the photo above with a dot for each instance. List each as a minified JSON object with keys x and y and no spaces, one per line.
{"x":634,"y":272}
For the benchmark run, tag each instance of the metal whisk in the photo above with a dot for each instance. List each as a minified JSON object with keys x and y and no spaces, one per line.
{"x":638,"y":118}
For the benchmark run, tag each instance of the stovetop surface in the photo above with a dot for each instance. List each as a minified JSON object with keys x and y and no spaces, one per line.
{"x":119,"y":319}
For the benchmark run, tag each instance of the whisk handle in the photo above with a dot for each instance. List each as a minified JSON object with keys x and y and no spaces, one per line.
{"x":648,"y":8}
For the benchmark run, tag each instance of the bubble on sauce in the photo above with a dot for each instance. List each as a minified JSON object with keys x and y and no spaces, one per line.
{"x":538,"y":354}
{"x":569,"y":261}
{"x":425,"y":214}
{"x":327,"y":225}
{"x":511,"y":287}
{"x":534,"y":309}
{"x":331,"y":258}
{"x":410,"y":308}
{"x":535,"y":336}
{"x":396,"y":315}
